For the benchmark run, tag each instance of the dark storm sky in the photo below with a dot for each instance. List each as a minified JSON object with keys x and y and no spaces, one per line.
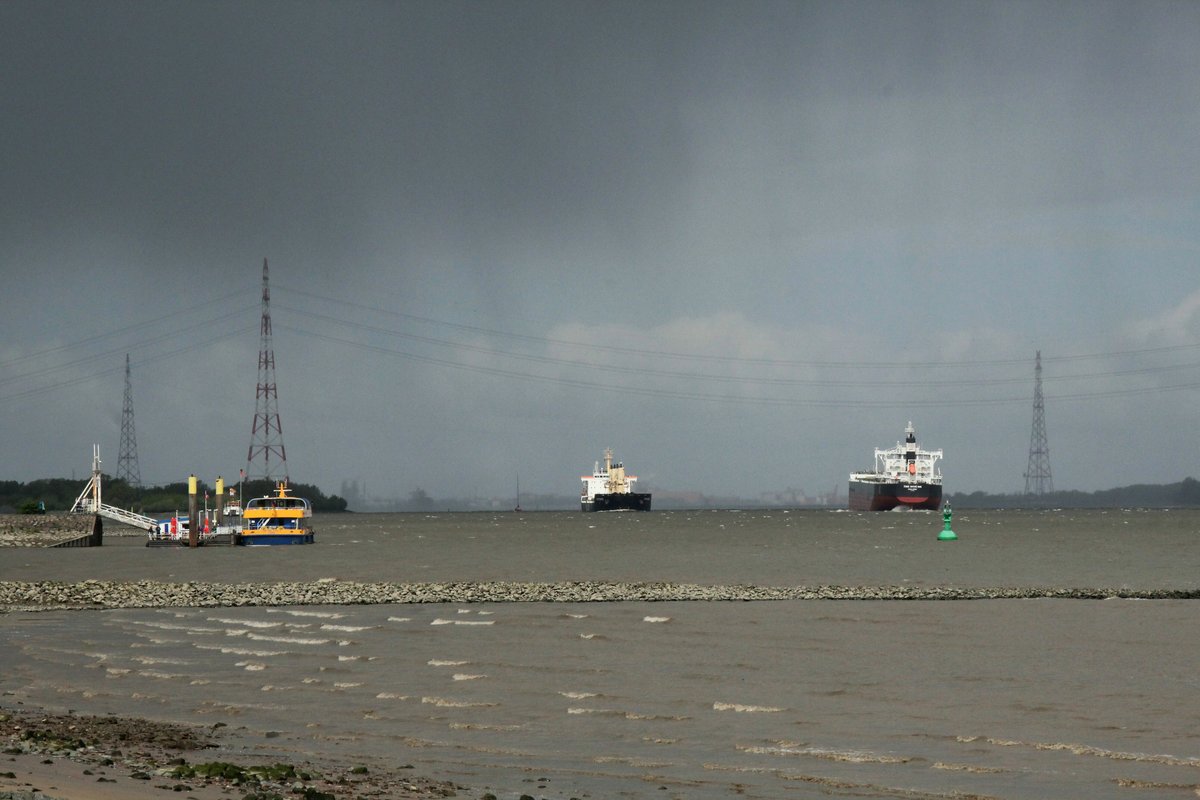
{"x":741,"y":243}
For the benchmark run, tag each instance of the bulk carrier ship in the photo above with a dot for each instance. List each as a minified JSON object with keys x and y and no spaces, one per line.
{"x":610,"y":489}
{"x":904,"y":476}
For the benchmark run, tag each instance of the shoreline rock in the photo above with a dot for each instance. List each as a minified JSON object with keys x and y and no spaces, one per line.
{"x":41,"y":530}
{"x":95,"y":594}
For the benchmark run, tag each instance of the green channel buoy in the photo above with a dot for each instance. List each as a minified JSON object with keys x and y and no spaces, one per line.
{"x":947,"y":535}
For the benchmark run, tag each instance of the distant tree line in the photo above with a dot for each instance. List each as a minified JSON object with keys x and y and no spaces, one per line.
{"x":58,"y":494}
{"x":1142,"y":495}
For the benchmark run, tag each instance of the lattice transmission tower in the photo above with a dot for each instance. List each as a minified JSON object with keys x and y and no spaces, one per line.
{"x":266,"y":457}
{"x":127,"y":461}
{"x":1037,"y":474}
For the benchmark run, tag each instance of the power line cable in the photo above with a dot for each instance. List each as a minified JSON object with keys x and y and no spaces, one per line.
{"x":202,"y":324}
{"x":654,"y":372}
{"x":75,"y":381}
{"x":118,"y":331}
{"x":891,"y":364}
{"x":709,"y":397}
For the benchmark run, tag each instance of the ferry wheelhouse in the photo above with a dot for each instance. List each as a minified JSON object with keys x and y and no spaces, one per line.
{"x":277,"y":519}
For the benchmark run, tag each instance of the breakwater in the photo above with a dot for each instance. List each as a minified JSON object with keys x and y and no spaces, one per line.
{"x":43,"y":530}
{"x":95,"y":594}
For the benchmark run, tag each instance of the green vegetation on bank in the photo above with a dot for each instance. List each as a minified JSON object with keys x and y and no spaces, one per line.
{"x":1185,"y":493}
{"x":57,"y":494}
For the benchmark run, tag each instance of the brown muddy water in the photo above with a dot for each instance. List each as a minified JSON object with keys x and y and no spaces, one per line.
{"x":1042,"y":698}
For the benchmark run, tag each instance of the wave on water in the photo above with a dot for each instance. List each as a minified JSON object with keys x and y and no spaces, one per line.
{"x":52,"y":653}
{"x":632,"y":761}
{"x":656,"y":619}
{"x":151,"y":660}
{"x":462,"y":676}
{"x":346,"y":628}
{"x":172,"y":626}
{"x":443,"y":702}
{"x":744,"y":709}
{"x":437,"y":662}
{"x":873,"y":790}
{"x":242,"y":651}
{"x":579,"y":695}
{"x":1088,"y":750}
{"x":441,"y":621}
{"x":847,"y":756}
{"x":251,"y":666}
{"x":657,"y":717}
{"x":399,"y":619}
{"x":477,"y":726}
{"x":630,"y":715}
{"x":285,"y":639}
{"x":234,"y":709}
{"x":392,"y":696}
{"x":967,"y":768}
{"x":159,"y":675}
{"x":299,"y":613}
{"x":245,"y":623}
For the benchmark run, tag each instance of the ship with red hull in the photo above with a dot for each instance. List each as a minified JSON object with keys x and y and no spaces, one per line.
{"x":905,"y":476}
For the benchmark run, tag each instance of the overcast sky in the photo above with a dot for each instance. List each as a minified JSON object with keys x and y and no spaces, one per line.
{"x":741,"y":243}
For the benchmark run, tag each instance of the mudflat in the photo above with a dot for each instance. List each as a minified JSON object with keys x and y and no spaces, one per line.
{"x":82,"y":757}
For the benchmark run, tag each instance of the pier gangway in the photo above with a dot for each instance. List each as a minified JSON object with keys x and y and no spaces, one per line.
{"x":90,"y":501}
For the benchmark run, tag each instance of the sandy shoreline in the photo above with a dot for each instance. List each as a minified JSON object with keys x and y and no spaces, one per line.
{"x":82,"y":757}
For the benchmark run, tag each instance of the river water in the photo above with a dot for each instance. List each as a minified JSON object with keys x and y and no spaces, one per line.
{"x":1046,"y":698}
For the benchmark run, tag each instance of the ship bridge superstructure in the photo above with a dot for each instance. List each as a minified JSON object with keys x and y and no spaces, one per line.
{"x":611,"y":479}
{"x":905,"y":462}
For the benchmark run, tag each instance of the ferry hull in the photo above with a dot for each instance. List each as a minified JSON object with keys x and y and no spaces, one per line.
{"x":872,"y":496}
{"x":625,"y":501}
{"x":290,"y":537}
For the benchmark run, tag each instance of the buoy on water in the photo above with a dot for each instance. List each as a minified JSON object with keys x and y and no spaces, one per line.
{"x":946,"y":535}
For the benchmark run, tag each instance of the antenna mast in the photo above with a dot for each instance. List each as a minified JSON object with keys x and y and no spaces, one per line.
{"x":1037,"y":474}
{"x":266,"y":457}
{"x":127,"y":461}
